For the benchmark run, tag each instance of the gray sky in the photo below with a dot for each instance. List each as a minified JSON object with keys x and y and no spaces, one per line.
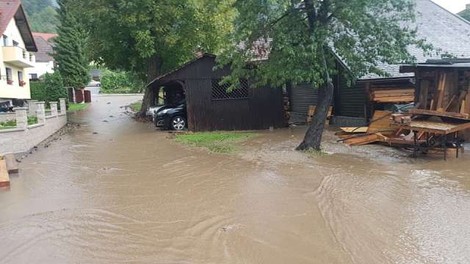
{"x":453,"y":5}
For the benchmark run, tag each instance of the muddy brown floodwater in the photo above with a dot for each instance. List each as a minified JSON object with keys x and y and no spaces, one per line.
{"x":117,"y":191}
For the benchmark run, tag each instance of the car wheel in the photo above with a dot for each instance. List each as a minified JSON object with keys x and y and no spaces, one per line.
{"x":178,"y":123}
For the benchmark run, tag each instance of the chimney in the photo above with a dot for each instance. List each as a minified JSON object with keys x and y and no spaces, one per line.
{"x":467,"y":7}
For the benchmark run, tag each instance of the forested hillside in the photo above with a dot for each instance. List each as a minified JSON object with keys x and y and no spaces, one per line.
{"x":42,"y":15}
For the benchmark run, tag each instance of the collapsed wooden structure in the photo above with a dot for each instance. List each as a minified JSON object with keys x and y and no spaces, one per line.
{"x":439,"y":118}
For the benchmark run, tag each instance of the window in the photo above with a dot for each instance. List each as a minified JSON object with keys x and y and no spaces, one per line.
{"x":9,"y":76}
{"x":20,"y":76}
{"x":5,"y":40}
{"x":34,"y":76}
{"x":15,"y":43}
{"x":219,"y":91}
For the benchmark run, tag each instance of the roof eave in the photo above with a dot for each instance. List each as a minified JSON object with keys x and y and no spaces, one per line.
{"x":25,"y":29}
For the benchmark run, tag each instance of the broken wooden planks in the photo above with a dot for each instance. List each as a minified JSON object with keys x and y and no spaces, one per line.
{"x":354,"y":129}
{"x":364,"y":139}
{"x":380,"y":123}
{"x":4,"y":176}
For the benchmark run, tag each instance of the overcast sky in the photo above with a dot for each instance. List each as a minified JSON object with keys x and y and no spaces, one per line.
{"x":453,"y":5}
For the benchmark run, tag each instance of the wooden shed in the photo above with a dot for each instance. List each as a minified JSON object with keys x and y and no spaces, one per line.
{"x":211,"y":107}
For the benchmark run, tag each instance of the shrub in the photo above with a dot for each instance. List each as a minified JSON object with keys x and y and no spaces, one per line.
{"x":120,"y":82}
{"x":50,"y":89}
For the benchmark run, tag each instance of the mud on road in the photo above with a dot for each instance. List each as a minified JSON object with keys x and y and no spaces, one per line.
{"x":117,"y":191}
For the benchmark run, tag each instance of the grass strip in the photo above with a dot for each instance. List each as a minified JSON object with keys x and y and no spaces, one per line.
{"x":217,"y":142}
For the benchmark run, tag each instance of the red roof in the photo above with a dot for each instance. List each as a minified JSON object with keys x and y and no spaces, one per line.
{"x":12,"y":9}
{"x":45,"y":36}
{"x":8,"y":10}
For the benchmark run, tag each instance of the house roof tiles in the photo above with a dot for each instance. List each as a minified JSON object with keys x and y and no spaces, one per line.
{"x":45,"y":46}
{"x":447,"y":32}
{"x":10,"y":9}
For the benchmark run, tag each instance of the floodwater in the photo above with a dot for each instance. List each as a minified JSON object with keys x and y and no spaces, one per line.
{"x":117,"y":191}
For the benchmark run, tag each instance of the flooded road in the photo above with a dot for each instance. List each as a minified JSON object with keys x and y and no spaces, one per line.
{"x":118,"y":191}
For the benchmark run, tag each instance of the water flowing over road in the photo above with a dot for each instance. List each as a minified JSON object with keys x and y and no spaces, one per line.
{"x":118,"y":191}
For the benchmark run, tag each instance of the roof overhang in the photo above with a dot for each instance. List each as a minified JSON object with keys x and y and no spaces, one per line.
{"x":25,"y":30}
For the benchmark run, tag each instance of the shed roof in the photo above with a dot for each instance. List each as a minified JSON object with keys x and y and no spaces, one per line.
{"x":447,"y":32}
{"x":13,"y":9}
{"x":168,"y":75}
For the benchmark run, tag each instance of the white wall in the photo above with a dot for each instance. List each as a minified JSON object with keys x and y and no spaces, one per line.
{"x":15,"y":90}
{"x":41,"y":68}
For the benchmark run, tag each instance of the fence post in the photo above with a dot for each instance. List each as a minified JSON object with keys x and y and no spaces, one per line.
{"x":32,"y":107}
{"x":53,"y":108}
{"x":41,"y":112}
{"x":21,"y":117}
{"x":63,"y":107}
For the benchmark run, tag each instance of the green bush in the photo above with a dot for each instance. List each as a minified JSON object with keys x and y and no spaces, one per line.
{"x":120,"y":82}
{"x":38,"y":91}
{"x":50,"y":89}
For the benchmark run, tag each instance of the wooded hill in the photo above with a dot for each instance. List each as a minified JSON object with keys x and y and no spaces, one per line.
{"x":42,"y":15}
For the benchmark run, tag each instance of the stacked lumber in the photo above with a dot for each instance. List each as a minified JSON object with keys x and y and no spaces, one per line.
{"x":392,"y":95}
{"x":446,"y":96}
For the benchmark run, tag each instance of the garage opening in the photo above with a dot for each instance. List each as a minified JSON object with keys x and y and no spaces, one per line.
{"x":171,"y":111}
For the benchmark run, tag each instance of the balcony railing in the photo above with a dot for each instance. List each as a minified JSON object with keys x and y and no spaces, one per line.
{"x":18,"y":57}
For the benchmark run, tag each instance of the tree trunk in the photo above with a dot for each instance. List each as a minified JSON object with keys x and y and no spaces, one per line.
{"x":313,"y":137}
{"x":154,"y":66}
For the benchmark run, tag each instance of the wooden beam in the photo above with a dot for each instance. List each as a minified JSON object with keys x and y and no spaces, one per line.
{"x":4,"y":176}
{"x":440,"y":114}
{"x":12,"y":165}
{"x":441,"y":92}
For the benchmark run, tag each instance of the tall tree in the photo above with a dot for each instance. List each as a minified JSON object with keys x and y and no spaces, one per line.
{"x":70,"y":46}
{"x":305,"y":38}
{"x":150,"y":37}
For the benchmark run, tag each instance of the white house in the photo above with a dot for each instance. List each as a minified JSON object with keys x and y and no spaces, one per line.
{"x":16,"y":53}
{"x":44,"y":60}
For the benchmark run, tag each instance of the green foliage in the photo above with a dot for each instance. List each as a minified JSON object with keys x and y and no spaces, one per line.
{"x":72,"y":107}
{"x":32,"y":120}
{"x":42,"y":15}
{"x":44,"y":21}
{"x":8,"y":124}
{"x":38,"y":91}
{"x":136,"y":106}
{"x":304,"y":38}
{"x":120,"y":82}
{"x":50,"y":89}
{"x":134,"y":35}
{"x":219,"y":142}
{"x":12,"y":123}
{"x":69,"y":49}
{"x":54,"y":87}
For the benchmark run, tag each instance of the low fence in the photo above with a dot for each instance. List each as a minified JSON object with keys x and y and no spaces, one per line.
{"x":25,"y":136}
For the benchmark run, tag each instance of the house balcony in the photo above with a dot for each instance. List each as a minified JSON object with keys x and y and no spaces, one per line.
{"x":18,"y":57}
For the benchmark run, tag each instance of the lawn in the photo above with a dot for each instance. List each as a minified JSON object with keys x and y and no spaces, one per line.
{"x":136,"y":106}
{"x":76,"y":107}
{"x":218,"y":142}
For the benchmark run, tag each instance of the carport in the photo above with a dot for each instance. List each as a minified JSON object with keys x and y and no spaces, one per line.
{"x":211,"y":107}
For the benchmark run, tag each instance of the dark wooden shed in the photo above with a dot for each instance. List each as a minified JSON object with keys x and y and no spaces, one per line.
{"x":211,"y":107}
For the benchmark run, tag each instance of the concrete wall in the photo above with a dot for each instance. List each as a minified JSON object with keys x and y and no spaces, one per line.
{"x":24,"y":137}
{"x":7,"y":117}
